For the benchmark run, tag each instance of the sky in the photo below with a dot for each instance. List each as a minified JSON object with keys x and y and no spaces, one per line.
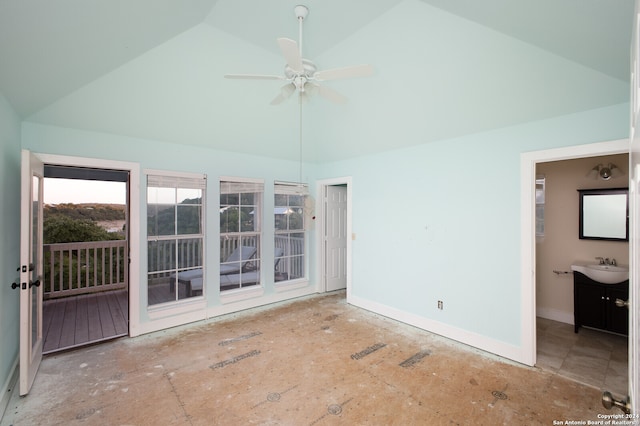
{"x":57,"y":191}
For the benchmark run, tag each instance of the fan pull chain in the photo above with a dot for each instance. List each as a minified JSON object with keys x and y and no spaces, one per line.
{"x":300,"y":130}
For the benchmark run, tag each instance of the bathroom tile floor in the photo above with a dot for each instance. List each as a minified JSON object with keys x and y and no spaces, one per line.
{"x":590,"y":356}
{"x":312,"y":361}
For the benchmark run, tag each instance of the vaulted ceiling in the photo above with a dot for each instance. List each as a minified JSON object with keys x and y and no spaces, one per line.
{"x":153,"y":68}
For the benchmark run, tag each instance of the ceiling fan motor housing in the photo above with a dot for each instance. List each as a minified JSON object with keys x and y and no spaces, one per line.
{"x":299,"y":79}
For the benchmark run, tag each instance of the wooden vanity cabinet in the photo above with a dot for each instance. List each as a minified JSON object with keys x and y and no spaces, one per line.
{"x":594,"y":304}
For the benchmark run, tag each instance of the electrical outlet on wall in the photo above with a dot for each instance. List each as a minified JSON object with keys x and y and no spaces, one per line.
{"x":440,"y":304}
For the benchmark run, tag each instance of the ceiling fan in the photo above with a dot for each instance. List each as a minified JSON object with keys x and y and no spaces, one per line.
{"x":302,"y":75}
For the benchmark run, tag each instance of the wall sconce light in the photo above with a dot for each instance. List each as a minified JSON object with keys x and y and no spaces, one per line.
{"x":605,"y":172}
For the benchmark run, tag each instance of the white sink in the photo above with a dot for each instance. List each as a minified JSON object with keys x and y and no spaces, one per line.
{"x":606,"y":274}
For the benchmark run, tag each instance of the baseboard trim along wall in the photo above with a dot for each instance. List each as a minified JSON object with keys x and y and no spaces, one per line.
{"x":477,"y":341}
{"x":8,"y":388}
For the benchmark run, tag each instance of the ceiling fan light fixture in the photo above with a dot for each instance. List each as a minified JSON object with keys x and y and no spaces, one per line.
{"x":593,"y":173}
{"x":616,"y":172}
{"x":311,"y":88}
{"x":605,"y":172}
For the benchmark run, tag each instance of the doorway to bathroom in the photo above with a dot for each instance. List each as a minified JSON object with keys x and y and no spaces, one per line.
{"x":530,"y":163}
{"x":589,"y":355}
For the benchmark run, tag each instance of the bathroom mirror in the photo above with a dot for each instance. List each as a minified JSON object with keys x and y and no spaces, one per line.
{"x":604,"y":214}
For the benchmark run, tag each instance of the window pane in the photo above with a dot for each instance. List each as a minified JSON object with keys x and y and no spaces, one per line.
{"x":247,"y":219}
{"x":296,"y":267}
{"x":239,"y":244}
{"x":296,"y":244}
{"x":157,"y":195}
{"x":281,"y":200}
{"x":160,"y":288}
{"x":189,"y":219}
{"x":161,"y":255}
{"x":296,"y":200}
{"x":230,"y":199}
{"x":281,"y":221}
{"x":190,"y":253}
{"x":289,"y":246}
{"x":296,"y":218}
{"x":247,"y":199}
{"x":229,"y":220}
{"x":189,"y":196}
{"x":175,"y":264}
{"x":160,"y":211}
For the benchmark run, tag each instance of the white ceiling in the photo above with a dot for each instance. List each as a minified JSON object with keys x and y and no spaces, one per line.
{"x":58,"y":58}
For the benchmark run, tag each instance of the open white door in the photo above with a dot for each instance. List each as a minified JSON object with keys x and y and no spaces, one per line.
{"x":335,"y":237}
{"x":30,"y":269}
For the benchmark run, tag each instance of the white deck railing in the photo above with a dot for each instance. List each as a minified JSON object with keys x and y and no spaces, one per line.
{"x":87,"y":267}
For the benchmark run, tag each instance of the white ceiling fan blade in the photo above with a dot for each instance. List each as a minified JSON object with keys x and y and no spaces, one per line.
{"x":332,"y":95}
{"x":285,"y":92}
{"x":364,"y":70}
{"x":254,"y":77}
{"x":291,"y":54}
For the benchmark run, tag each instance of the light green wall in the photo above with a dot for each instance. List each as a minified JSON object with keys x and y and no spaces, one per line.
{"x":10,"y":241}
{"x":441,"y":221}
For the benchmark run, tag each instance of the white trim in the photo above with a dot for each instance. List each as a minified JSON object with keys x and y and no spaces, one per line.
{"x":472,"y":339}
{"x":241,"y":294}
{"x":282,"y":286}
{"x":268,"y":299}
{"x":528,"y":162}
{"x":170,"y":322}
{"x":321,"y":283}
{"x":134,"y":222}
{"x":9,"y":387}
{"x":239,"y":179}
{"x":185,"y":306}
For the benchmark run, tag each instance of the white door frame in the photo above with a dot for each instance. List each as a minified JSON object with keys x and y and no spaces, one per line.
{"x":528,"y":162}
{"x":321,"y":282}
{"x":134,"y":221}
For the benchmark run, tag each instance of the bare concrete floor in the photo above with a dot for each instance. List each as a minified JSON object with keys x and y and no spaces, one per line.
{"x":314,"y":361}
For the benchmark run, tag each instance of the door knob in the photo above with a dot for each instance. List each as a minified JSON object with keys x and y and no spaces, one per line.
{"x":15,"y":285}
{"x":608,"y":402}
{"x":34,"y":283}
{"x":622,"y":303}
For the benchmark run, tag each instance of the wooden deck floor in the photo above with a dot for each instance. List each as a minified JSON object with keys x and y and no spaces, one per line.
{"x":88,"y":318}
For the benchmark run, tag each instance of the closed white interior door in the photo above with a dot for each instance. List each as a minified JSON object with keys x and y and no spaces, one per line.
{"x":336,"y":237}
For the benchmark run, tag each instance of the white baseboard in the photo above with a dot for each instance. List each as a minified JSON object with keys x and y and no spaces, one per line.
{"x":502,"y":349}
{"x":8,"y":388}
{"x":555,"y":315}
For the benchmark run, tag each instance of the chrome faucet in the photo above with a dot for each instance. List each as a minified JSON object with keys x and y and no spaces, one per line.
{"x":613,"y":262}
{"x":601,"y":260}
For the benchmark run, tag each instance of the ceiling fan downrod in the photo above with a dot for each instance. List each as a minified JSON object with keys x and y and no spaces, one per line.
{"x":301,"y":12}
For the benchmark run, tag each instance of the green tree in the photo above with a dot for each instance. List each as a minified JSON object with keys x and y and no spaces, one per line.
{"x":59,"y":228}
